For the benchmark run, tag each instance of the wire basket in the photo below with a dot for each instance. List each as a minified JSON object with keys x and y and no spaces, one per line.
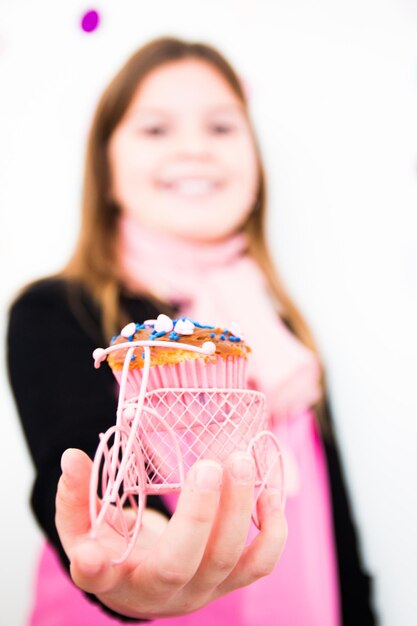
{"x":161,"y":433}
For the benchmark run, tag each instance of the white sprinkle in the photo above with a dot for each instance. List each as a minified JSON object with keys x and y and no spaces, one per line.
{"x":184,"y":327}
{"x":164,"y":324}
{"x":128,"y":330}
{"x":209,"y":347}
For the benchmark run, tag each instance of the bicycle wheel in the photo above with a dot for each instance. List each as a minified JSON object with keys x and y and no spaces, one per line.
{"x":267,"y":455}
{"x":118,"y":489}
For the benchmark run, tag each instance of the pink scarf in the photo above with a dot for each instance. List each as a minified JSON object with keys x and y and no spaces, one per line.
{"x":218,"y":283}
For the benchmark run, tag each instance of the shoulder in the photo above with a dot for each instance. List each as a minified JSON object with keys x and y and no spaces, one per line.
{"x":46,"y":337}
{"x":43,"y":296}
{"x":48,"y":293}
{"x":52,"y":306}
{"x":57,"y":304}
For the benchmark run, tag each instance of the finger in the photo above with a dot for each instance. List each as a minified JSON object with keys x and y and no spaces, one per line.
{"x":181,"y":548}
{"x":91,"y":568}
{"x":230,"y":531}
{"x":261,"y":556}
{"x":72,"y":499}
{"x":90,"y":562}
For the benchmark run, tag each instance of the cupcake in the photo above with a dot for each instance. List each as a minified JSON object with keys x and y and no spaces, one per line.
{"x":223,"y":366}
{"x":196,"y":403}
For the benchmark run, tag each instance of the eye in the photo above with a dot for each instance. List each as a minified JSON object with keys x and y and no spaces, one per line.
{"x":222,"y":129}
{"x":154,"y":130}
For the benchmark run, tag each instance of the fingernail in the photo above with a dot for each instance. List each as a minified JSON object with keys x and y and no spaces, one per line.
{"x":243,"y":468}
{"x":274,"y":499}
{"x":66,"y":463}
{"x":207,"y":476}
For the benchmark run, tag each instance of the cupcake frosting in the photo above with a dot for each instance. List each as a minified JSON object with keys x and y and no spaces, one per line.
{"x":229,"y":343}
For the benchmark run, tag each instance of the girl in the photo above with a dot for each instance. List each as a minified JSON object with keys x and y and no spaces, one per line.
{"x":174,"y":221}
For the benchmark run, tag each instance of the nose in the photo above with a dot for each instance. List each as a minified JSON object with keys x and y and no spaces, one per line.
{"x":192,"y":143}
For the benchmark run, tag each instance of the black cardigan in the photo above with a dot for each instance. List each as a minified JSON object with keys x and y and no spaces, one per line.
{"x":63,"y":402}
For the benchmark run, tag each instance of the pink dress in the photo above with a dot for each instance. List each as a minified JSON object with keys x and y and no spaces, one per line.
{"x":301,"y":591}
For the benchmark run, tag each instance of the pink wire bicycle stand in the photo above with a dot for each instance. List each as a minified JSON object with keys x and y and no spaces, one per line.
{"x":159,"y":434}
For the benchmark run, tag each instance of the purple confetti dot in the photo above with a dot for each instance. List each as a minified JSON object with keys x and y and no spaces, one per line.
{"x":90,"y":21}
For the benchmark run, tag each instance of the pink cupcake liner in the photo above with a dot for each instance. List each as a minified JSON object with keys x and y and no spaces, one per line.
{"x":223,"y":373}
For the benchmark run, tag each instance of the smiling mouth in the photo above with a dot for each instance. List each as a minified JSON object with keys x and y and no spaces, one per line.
{"x":191,"y":186}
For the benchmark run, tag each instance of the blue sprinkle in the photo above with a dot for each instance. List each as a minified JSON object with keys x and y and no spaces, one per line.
{"x":212,"y":334}
{"x":198,"y":325}
{"x":174,"y":336}
{"x":133,"y":357}
{"x":113,"y":339}
{"x":143,"y":355}
{"x":160,"y":334}
{"x":130,"y":338}
{"x":234,"y":338}
{"x":140,"y":327}
{"x":226,"y":332}
{"x":222,"y":337}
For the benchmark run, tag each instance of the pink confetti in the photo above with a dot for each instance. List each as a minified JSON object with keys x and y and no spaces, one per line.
{"x":90,"y":21}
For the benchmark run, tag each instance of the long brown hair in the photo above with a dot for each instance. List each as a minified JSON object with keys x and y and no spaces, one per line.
{"x":93,"y":262}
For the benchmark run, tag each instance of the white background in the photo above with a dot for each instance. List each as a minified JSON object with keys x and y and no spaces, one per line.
{"x":334,"y":100}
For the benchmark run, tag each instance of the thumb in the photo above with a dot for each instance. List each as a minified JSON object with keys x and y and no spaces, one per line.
{"x":72,"y":500}
{"x":90,"y":563}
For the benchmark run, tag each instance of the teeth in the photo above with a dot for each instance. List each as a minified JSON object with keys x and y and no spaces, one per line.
{"x":193,"y":187}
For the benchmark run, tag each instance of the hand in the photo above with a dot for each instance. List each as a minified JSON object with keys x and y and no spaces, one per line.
{"x":181,"y":564}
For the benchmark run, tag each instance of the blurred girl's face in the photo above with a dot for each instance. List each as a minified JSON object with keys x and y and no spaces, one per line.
{"x":182,"y":158}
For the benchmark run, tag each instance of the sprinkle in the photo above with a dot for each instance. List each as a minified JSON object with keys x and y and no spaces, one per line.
{"x":140,"y":327}
{"x":184,"y":327}
{"x":222,"y":337}
{"x":164,"y":323}
{"x":198,"y":325}
{"x":128,"y":330}
{"x":234,"y":338}
{"x":174,"y":336}
{"x":113,"y":339}
{"x":133,"y":357}
{"x":143,"y":355}
{"x":154,"y":335}
{"x":130,"y":338}
{"x":212,"y":334}
{"x":236,"y":330}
